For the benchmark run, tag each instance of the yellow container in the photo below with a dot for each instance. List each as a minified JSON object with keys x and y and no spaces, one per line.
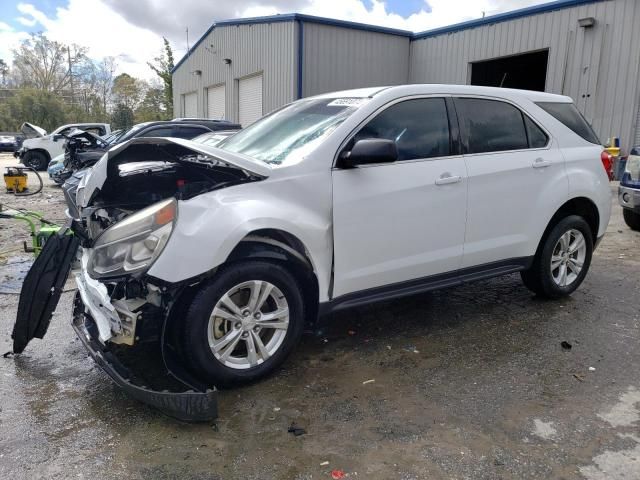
{"x":15,"y":180}
{"x":615,"y":151}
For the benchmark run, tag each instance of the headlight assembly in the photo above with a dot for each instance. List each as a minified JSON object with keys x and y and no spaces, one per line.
{"x":132,"y":245}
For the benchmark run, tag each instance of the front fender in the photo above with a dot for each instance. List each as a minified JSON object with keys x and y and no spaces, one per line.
{"x":211,"y":225}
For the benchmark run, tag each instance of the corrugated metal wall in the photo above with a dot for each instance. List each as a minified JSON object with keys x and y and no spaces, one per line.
{"x":601,"y":63}
{"x":337,"y":58}
{"x":265,"y":47}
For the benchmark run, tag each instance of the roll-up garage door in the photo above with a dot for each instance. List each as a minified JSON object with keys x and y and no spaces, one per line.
{"x":250,"y":99}
{"x":636,"y":140}
{"x":216,"y":102}
{"x":190,"y":105}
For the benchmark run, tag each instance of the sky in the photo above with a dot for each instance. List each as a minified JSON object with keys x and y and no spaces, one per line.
{"x":132,"y":30}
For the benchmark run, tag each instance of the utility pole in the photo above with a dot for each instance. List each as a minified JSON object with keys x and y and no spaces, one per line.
{"x":70,"y":74}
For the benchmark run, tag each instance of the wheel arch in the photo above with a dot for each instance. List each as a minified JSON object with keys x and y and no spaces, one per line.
{"x":282,"y":247}
{"x":42,"y":151}
{"x":581,"y":206}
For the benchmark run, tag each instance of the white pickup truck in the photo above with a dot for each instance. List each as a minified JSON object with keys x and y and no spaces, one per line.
{"x":39,"y":148}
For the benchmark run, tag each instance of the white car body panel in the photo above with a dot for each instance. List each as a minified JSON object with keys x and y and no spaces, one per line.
{"x":51,"y":146}
{"x":387,"y":223}
{"x":510,"y":202}
{"x":380,"y":212}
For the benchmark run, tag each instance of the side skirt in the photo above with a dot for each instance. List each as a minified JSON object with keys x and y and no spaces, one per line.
{"x":425,"y":284}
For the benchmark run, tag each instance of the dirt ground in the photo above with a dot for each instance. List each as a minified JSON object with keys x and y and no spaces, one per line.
{"x":466,"y":383}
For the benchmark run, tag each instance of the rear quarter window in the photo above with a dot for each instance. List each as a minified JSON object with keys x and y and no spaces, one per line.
{"x":570,"y":116}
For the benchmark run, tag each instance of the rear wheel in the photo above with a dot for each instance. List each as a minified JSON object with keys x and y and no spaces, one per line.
{"x":562,"y":260}
{"x":35,"y":160}
{"x":243,"y":324}
{"x":632,"y":219}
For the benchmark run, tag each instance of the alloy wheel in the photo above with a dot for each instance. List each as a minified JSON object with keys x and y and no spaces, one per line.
{"x":568,"y":257}
{"x":248,"y":324}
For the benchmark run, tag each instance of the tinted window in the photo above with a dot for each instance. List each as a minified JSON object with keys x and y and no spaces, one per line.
{"x":158,"y":132}
{"x":568,"y":114}
{"x":189,"y":132}
{"x":490,"y":125}
{"x":419,"y":127}
{"x":537,"y":138}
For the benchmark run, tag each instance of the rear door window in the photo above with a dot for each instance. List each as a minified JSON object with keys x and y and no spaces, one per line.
{"x":491,"y":125}
{"x":189,"y":132}
{"x":158,"y":132}
{"x":420,"y":128}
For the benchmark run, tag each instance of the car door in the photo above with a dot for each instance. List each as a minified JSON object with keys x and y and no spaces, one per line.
{"x":401,"y":221}
{"x":511,"y":163}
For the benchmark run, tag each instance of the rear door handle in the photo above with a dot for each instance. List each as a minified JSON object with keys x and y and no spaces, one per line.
{"x":540,"y":163}
{"x":447,"y":179}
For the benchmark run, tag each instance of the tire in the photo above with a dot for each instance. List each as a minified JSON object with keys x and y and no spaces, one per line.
{"x":632,"y":219}
{"x":35,"y":160}
{"x":232,"y":363}
{"x":551,"y":281}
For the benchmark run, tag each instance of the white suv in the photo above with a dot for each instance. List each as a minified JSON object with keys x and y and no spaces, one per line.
{"x":38,"y":148}
{"x":333,"y":201}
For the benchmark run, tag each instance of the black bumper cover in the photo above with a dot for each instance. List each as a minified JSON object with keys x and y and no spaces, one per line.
{"x":189,"y":406}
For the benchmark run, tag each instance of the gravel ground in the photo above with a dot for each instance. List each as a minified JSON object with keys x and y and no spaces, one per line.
{"x":469,"y":383}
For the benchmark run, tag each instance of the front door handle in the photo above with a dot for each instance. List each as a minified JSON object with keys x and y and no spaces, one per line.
{"x":540,"y":163}
{"x":447,"y":179}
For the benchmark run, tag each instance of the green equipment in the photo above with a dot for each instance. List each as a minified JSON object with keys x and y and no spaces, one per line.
{"x":41,"y":229}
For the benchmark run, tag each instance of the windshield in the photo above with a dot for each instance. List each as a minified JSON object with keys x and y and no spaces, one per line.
{"x":292,"y":131}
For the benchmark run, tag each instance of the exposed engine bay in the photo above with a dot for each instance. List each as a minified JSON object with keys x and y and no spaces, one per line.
{"x":122,"y":212}
{"x":145,"y":174}
{"x":141,"y":175}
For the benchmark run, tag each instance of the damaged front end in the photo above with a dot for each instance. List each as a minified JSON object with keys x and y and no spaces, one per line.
{"x":123,"y":212}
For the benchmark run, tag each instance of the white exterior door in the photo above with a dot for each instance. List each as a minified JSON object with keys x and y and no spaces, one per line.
{"x":405,"y":220}
{"x":249,"y":99}
{"x":516,"y":179}
{"x":216,"y":104}
{"x":190,"y":107}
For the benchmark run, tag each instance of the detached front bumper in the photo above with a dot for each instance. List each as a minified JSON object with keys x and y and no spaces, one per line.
{"x":629,"y":198}
{"x":189,"y":406}
{"x":96,"y":319}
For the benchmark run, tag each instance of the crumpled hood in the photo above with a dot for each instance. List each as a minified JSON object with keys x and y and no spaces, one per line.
{"x":32,"y":131}
{"x":95,"y":179}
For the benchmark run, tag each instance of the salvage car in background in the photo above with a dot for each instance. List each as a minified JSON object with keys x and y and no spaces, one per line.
{"x":38,"y":148}
{"x":629,"y":190}
{"x":9,"y":141}
{"x":223,"y":255}
{"x":62,"y":166}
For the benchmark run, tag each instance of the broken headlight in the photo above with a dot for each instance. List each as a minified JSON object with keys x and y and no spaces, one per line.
{"x":132,"y":245}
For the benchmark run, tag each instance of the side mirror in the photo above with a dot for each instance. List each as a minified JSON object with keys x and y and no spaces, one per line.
{"x":370,"y":150}
{"x":57,"y":137}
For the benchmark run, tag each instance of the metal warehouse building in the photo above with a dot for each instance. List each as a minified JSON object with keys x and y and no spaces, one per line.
{"x":587,"y":49}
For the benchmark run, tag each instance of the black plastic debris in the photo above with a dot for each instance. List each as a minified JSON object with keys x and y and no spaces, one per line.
{"x":296,"y":430}
{"x":566,"y":345}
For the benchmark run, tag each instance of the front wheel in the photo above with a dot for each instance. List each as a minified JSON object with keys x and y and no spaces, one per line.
{"x":243,"y":324}
{"x":563,"y":259}
{"x":632,"y":219}
{"x":35,"y":160}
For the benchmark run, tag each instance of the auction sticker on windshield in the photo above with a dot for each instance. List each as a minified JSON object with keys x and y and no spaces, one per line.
{"x":346,"y":102}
